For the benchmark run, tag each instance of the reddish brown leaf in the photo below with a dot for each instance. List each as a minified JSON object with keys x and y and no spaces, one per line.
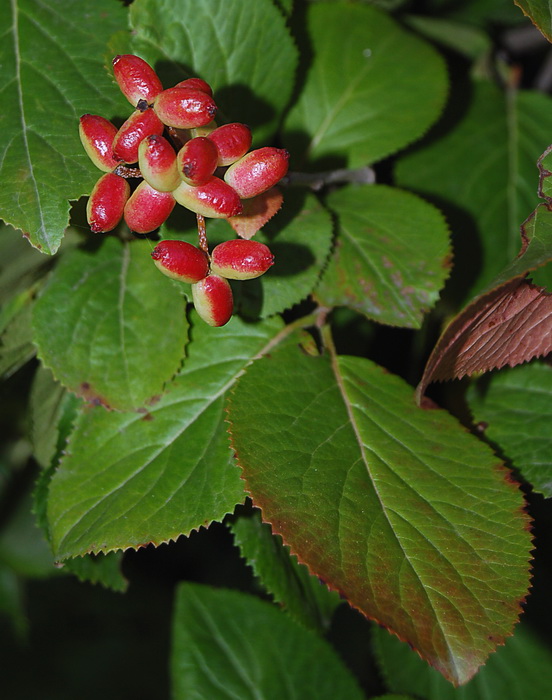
{"x":256,"y":212}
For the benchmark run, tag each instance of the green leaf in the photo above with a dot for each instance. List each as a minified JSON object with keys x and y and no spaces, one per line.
{"x":515,"y":408}
{"x":520,"y":670}
{"x":111,"y":328}
{"x":466,"y":39}
{"x":228,"y":644}
{"x":242,"y":49}
{"x":410,"y":517}
{"x":16,"y":346}
{"x":130,"y":479}
{"x":359,"y":104}
{"x":540,"y":13}
{"x":104,"y":569}
{"x":303,"y":596}
{"x":486,"y":168}
{"x":392,"y":255}
{"x":20,"y":264}
{"x":52,"y":73}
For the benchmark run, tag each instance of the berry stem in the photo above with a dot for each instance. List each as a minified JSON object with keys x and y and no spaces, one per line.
{"x":202,"y":234}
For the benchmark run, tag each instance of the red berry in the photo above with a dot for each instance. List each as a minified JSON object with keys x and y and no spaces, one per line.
{"x":157,"y":163}
{"x":147,"y":208}
{"x":184,"y":108}
{"x":232,"y":141}
{"x":197,"y":160}
{"x":257,"y":171}
{"x":239,"y":259}
{"x":107,"y":202}
{"x":133,"y":132}
{"x":181,"y":261}
{"x":96,"y":135}
{"x":136,"y":78}
{"x":215,"y":199}
{"x":196,"y":84}
{"x":213,"y":300}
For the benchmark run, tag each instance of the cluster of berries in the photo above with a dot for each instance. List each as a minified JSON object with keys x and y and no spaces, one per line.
{"x":173,"y":144}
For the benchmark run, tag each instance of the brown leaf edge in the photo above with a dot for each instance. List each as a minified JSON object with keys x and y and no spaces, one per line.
{"x":525,"y":11}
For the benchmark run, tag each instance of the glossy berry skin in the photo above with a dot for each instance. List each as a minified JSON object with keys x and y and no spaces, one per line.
{"x":147,"y":208}
{"x":215,"y":199}
{"x":107,"y":202}
{"x":136,"y":128}
{"x":197,"y":160}
{"x":196,"y":84}
{"x":184,"y":108}
{"x":96,"y":135}
{"x":232,"y":142}
{"x":257,"y":171}
{"x":157,"y":163}
{"x":239,"y":259}
{"x":213,"y":300}
{"x":181,"y":261}
{"x":136,"y":78}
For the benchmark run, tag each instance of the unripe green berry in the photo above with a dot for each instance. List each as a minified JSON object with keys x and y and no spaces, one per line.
{"x":107,"y":202}
{"x":181,"y":261}
{"x":239,"y":259}
{"x":213,"y":300}
{"x":257,"y":171}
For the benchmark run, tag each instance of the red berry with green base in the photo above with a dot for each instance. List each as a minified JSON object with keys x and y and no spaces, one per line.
{"x":181,"y":261}
{"x":213,"y":300}
{"x":184,"y":108}
{"x":97,"y":135}
{"x":147,"y":208}
{"x":136,"y":78}
{"x":232,"y":142}
{"x":157,"y":163}
{"x":196,"y":84}
{"x":215,"y":199}
{"x":257,"y":171}
{"x":136,"y":128}
{"x":197,"y":161}
{"x":107,"y":202}
{"x":239,"y":259}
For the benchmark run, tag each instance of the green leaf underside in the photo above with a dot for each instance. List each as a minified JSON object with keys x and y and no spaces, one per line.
{"x":402,"y":511}
{"x":233,"y":46}
{"x":540,"y":13}
{"x":359,"y":104}
{"x":165,"y":473}
{"x":102,"y":569}
{"x":486,"y":167}
{"x":516,"y":407}
{"x":229,"y":645}
{"x":110,"y":326}
{"x":520,"y":670}
{"x":392,"y":255}
{"x":303,"y":596}
{"x":52,"y":73}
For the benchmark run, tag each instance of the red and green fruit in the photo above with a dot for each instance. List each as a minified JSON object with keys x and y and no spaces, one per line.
{"x":213,"y":300}
{"x":239,"y":259}
{"x":181,"y":261}
{"x":107,"y":202}
{"x":147,"y":208}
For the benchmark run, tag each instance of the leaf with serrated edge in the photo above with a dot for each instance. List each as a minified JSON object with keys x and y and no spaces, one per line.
{"x":227,"y":644}
{"x":52,"y":73}
{"x":129,"y":479}
{"x":507,"y":324}
{"x":234,"y":46}
{"x":410,"y":517}
{"x":515,"y":408}
{"x":359,"y":102}
{"x":110,"y":327}
{"x":392,"y":255}
{"x":539,"y":12}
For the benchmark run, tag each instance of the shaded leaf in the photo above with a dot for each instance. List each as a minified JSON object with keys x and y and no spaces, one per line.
{"x":515,"y":408}
{"x":392,"y":255}
{"x":466,"y":39}
{"x":104,"y":569}
{"x":520,"y":670}
{"x":485,"y":167}
{"x":359,"y":104}
{"x":52,"y":73}
{"x":106,"y":316}
{"x":228,"y":644}
{"x":233,"y":46}
{"x":410,"y":517}
{"x":303,"y":596}
{"x":163,"y":473}
{"x":544,"y":165}
{"x":540,"y":13}
{"x":508,"y":324}
{"x":16,"y":335}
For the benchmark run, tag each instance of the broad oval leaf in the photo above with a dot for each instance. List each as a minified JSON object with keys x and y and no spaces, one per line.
{"x":109,"y":326}
{"x":410,"y":517}
{"x":392,"y":255}
{"x":227,"y":644}
{"x":131,"y":479}
{"x":52,"y":73}
{"x":371,"y":89}
{"x":242,"y":49}
{"x":515,"y":409}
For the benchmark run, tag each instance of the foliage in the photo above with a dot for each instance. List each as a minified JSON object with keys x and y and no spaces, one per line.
{"x":415,"y":230}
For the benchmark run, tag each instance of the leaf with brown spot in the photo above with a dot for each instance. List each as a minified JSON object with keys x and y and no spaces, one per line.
{"x":509,"y":323}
